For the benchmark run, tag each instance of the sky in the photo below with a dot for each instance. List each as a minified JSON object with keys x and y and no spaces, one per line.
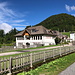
{"x":21,"y":13}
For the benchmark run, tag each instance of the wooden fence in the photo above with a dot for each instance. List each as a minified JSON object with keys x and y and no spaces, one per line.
{"x":7,"y":48}
{"x":12,"y":63}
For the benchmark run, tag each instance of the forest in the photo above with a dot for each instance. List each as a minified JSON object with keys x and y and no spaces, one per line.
{"x":60,"y":22}
{"x":8,"y":37}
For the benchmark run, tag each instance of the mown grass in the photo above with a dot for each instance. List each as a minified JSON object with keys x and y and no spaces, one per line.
{"x":30,"y":48}
{"x":54,"y":67}
{"x":13,"y":55}
{"x":66,"y":33}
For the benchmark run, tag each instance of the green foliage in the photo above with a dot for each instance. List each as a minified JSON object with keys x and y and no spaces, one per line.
{"x":57,"y":40}
{"x":66,"y":33}
{"x":52,"y":68}
{"x":62,"y":21}
{"x":28,"y":26}
{"x":9,"y":37}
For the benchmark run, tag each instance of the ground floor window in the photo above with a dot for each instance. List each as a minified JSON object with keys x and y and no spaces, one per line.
{"x":20,"y":44}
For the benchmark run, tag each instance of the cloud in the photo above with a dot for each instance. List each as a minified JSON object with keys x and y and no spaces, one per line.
{"x":69,"y":8}
{"x":20,"y":28}
{"x":19,"y":25}
{"x":73,"y":8}
{"x":9,"y":18}
{"x":18,"y":21}
{"x":6,"y":27}
{"x":6,"y":11}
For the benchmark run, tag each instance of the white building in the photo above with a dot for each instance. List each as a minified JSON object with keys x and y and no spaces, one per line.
{"x":72,"y":36}
{"x":33,"y":36}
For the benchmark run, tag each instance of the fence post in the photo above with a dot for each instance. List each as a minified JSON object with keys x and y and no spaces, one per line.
{"x":53,"y":53}
{"x":60,"y":51}
{"x":10,"y":66}
{"x":44,"y":57}
{"x":31,"y":60}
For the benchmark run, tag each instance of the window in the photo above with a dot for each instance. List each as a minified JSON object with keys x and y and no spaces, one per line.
{"x":40,"y":37}
{"x":33,"y":30}
{"x":27,"y":37}
{"x":20,"y":44}
{"x":20,"y":38}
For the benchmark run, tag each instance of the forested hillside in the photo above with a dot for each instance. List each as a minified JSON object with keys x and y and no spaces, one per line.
{"x":61,"y":21}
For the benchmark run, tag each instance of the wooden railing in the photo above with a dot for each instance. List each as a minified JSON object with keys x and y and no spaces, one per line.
{"x":12,"y":63}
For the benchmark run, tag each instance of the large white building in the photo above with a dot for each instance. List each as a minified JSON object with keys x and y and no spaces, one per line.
{"x":33,"y":36}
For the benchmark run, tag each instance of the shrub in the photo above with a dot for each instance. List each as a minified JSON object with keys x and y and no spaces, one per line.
{"x":57,"y":40}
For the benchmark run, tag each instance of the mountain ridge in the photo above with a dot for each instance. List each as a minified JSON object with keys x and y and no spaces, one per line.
{"x":59,"y":22}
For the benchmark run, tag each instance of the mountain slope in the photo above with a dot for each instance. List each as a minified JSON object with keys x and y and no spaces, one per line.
{"x":61,"y":21}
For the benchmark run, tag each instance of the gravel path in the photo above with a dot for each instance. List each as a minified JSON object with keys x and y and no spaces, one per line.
{"x":69,"y":71}
{"x":11,"y":53}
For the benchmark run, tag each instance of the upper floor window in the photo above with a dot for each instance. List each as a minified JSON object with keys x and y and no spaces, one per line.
{"x":34,"y":30}
{"x":27,"y":37}
{"x":20,"y":38}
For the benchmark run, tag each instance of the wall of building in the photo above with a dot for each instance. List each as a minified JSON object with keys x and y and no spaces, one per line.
{"x":72,"y":36}
{"x":48,"y":40}
{"x":45,"y":40}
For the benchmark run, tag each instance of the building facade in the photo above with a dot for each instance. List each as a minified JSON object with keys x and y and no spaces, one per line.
{"x":35,"y":36}
{"x":72,"y":36}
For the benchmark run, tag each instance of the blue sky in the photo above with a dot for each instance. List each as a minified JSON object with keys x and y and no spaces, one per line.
{"x":21,"y":13}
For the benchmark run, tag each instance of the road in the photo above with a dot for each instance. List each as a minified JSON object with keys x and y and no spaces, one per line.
{"x":17,"y":52}
{"x":69,"y":71}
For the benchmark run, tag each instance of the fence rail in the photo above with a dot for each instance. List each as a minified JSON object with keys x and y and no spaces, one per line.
{"x":11,"y":63}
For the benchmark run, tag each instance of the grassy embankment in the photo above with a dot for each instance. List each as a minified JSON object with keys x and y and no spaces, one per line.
{"x":54,"y":67}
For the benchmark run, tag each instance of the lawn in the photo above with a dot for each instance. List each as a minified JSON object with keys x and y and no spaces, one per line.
{"x":66,"y":33}
{"x":53,"y":67}
{"x":28,"y":48}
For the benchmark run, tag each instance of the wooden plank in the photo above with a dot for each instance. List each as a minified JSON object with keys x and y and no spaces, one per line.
{"x":31,"y":60}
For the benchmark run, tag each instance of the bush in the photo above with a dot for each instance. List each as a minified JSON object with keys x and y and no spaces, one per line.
{"x":57,"y":40}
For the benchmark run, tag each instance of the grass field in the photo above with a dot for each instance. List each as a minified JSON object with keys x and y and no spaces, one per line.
{"x":52,"y":68}
{"x":66,"y":33}
{"x":29,"y":48}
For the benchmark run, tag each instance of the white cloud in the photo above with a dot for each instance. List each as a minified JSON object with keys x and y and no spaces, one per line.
{"x":73,"y":8}
{"x":6,"y":27}
{"x":69,"y":8}
{"x":20,"y":28}
{"x":6,"y":11}
{"x":19,"y":25}
{"x":9,"y":18}
{"x":18,"y":21}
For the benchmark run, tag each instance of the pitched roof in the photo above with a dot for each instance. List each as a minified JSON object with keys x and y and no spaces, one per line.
{"x":37,"y":30}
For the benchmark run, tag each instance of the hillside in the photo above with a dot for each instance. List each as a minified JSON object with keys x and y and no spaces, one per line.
{"x":61,"y":21}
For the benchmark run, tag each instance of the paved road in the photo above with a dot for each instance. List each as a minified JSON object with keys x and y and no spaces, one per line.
{"x":10,"y":53}
{"x":69,"y":71}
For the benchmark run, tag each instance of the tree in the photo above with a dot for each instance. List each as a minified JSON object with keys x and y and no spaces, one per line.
{"x":9,"y":37}
{"x":28,"y":26}
{"x":57,"y":40}
{"x":2,"y":36}
{"x":1,"y":33}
